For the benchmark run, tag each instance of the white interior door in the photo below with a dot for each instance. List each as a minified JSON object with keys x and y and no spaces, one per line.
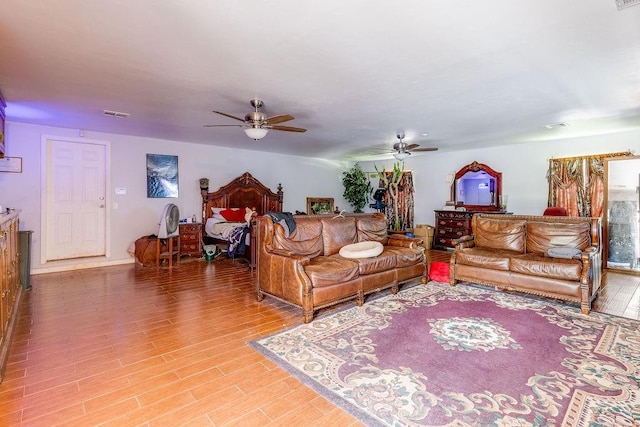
{"x":75,"y":191}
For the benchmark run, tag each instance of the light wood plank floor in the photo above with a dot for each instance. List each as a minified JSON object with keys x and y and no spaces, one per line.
{"x":127,"y":345}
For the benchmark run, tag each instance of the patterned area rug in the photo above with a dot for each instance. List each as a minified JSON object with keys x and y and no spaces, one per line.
{"x":435,"y":355}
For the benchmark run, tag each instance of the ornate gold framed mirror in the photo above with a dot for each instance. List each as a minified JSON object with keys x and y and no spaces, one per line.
{"x":477,"y":187}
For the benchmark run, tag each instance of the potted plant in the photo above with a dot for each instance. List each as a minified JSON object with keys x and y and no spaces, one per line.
{"x":390,"y":183}
{"x":356,"y":188}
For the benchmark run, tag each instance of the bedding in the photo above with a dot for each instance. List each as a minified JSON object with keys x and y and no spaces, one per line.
{"x":235,"y":204}
{"x":236,"y":234}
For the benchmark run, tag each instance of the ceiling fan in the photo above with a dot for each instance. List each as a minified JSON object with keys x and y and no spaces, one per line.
{"x":256,"y":124}
{"x":402,"y":150}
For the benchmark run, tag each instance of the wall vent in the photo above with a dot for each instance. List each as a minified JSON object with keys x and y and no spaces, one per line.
{"x":115,"y":113}
{"x":622,"y":4}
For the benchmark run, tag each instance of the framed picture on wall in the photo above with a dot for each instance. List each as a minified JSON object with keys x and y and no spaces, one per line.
{"x":319,"y":205}
{"x":162,"y":176}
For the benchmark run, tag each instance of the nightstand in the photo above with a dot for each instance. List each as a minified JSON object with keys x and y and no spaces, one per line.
{"x":191,"y":239}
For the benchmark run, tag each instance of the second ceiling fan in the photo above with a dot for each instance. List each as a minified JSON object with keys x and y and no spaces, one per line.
{"x":256,"y":124}
{"x":402,"y":150}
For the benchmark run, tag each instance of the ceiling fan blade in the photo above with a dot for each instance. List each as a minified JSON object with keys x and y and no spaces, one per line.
{"x":287,"y":128}
{"x":281,"y":118}
{"x":426,"y":149}
{"x":228,"y":115}
{"x":219,"y":126}
{"x":412,"y":147}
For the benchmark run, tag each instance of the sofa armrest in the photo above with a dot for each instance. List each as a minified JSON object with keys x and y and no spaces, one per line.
{"x":404,"y":241}
{"x":464,"y":242}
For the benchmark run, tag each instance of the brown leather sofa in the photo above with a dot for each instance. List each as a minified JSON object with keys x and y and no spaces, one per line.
{"x":518,"y":252}
{"x":306,"y":269}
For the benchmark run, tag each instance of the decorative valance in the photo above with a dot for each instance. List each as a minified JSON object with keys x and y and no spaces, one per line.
{"x":577,"y":183}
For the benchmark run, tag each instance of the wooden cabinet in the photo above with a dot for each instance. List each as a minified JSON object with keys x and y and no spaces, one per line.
{"x":191,"y":239}
{"x":451,"y":225}
{"x":10,"y":290}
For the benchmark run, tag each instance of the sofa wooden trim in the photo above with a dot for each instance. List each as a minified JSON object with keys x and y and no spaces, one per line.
{"x":590,"y":260}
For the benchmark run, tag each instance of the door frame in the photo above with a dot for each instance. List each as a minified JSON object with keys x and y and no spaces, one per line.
{"x":44,"y":162}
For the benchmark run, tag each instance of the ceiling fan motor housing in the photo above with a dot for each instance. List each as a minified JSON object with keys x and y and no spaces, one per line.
{"x":255,"y":116}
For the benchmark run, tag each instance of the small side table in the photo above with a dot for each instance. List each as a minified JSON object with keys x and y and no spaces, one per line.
{"x":170,"y":248}
{"x":191,"y":239}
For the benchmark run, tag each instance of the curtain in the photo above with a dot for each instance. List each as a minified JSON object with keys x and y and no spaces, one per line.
{"x":577,"y":184}
{"x":405,"y":202}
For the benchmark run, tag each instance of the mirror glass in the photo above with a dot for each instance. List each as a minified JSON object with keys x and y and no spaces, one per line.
{"x":478,"y":187}
{"x":622,"y":200}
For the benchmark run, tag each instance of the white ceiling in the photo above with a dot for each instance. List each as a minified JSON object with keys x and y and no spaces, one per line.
{"x":469,"y":73}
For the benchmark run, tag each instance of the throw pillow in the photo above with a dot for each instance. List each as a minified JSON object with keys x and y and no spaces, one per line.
{"x":233,"y":215}
{"x":361,"y":250}
{"x":439,"y":271}
{"x":564,"y":252}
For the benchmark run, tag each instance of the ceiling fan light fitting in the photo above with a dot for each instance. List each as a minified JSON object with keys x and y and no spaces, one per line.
{"x":401,"y":155}
{"x":256,"y":133}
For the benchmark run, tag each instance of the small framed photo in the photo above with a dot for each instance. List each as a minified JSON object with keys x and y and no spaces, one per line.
{"x":319,"y":205}
{"x":11,"y":164}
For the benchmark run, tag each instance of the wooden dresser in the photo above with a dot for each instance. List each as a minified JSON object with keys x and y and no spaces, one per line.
{"x":11,"y":291}
{"x":191,"y":239}
{"x":451,"y":225}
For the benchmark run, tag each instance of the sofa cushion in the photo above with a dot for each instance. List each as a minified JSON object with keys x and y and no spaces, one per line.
{"x":485,"y":258}
{"x":305,"y":240}
{"x":372,"y":228}
{"x":500,"y":234}
{"x":338,"y":232}
{"x":406,"y":257}
{"x":539,"y":265}
{"x":541,"y":236}
{"x":362,"y":250}
{"x":328,"y":271}
{"x":383,"y":262}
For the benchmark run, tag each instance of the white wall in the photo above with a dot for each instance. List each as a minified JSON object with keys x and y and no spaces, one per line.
{"x":137,"y":215}
{"x":524,"y":169}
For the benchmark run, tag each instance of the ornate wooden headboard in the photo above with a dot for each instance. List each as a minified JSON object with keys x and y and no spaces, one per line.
{"x":244,"y":191}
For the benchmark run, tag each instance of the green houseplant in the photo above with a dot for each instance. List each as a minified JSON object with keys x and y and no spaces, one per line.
{"x":356,"y":188}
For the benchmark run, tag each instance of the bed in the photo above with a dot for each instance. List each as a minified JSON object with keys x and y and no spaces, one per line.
{"x":227,"y":211}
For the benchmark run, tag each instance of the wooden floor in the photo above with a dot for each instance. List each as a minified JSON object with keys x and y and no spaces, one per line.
{"x":127,"y":345}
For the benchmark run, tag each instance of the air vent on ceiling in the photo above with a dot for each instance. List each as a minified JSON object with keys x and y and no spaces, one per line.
{"x":621,"y":4}
{"x":115,"y":113}
{"x":556,"y":125}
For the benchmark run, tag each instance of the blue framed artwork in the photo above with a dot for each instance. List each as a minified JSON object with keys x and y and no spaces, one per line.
{"x":162,"y":176}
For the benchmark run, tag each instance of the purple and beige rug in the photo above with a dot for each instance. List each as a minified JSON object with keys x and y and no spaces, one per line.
{"x":463,"y":355}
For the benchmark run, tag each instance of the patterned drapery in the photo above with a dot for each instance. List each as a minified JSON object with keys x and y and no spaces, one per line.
{"x":577,"y":183}
{"x":405,"y":202}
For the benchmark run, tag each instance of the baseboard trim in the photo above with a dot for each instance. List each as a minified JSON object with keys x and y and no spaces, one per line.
{"x":80,"y":266}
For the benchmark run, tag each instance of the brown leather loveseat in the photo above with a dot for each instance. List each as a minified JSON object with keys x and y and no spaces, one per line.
{"x":532,"y":254}
{"x":305,"y":268}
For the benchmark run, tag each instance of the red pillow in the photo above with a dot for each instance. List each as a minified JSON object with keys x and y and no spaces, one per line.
{"x":439,"y":271}
{"x":233,"y":215}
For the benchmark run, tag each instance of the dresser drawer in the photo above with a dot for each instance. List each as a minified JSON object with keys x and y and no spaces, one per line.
{"x":185,"y":238}
{"x":453,"y":232}
{"x":193,"y":247}
{"x":455,"y":223}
